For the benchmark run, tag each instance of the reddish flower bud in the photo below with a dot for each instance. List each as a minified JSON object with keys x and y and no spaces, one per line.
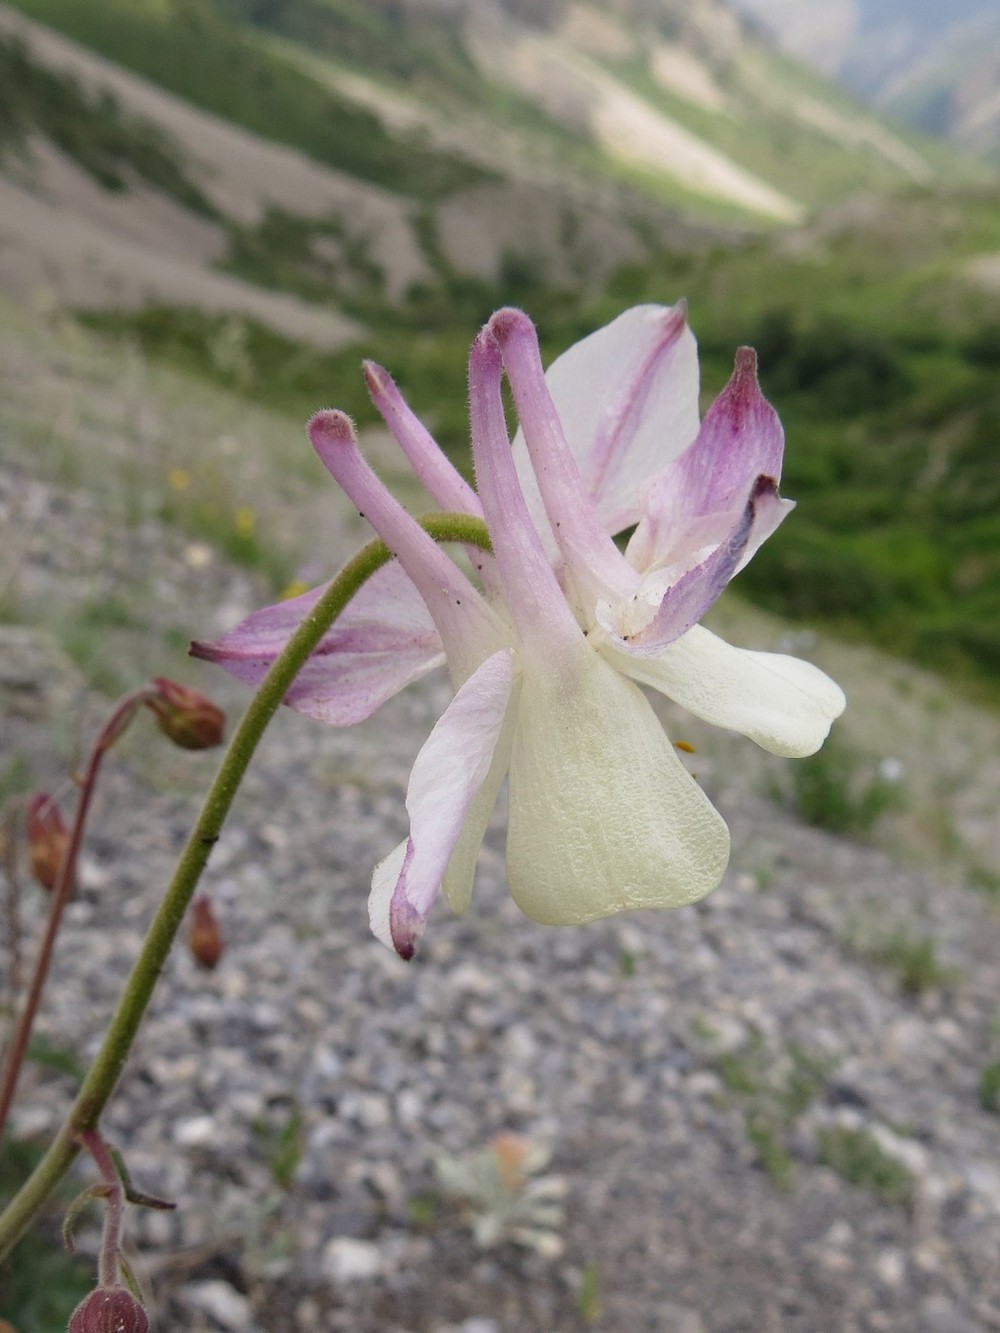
{"x":205,"y":937}
{"x":189,"y":718}
{"x":109,"y":1310}
{"x":48,"y":839}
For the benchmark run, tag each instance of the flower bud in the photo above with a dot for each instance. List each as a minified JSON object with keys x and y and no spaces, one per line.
{"x":48,"y":839}
{"x":205,"y":936}
{"x":189,"y":718}
{"x":109,"y":1310}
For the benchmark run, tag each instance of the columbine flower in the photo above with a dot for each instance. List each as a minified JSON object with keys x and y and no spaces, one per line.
{"x":603,"y":815}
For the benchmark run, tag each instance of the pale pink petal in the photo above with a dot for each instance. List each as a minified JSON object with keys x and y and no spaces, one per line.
{"x":459,"y":878}
{"x":784,"y":704}
{"x":740,"y":440}
{"x":435,"y":470}
{"x":544,"y":623}
{"x":594,"y":567}
{"x":469,"y":628}
{"x":768,"y":518}
{"x":382,"y":641}
{"x":451,"y":767}
{"x":627,"y":397}
{"x":684,"y":602}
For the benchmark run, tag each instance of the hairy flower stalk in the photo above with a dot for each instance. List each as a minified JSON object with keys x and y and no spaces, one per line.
{"x":546,"y":657}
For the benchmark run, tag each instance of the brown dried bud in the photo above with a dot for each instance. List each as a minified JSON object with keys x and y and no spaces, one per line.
{"x":189,"y":718}
{"x":109,"y":1310}
{"x":48,"y":839}
{"x":205,"y":936}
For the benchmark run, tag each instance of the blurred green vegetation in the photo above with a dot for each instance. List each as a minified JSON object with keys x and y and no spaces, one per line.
{"x":838,"y":789}
{"x":424,"y":52}
{"x":114,"y":148}
{"x":857,"y":1157}
{"x":40,"y":1282}
{"x":989,"y":1088}
{"x":190,"y":48}
{"x":810,"y":164}
{"x":774,"y":1089}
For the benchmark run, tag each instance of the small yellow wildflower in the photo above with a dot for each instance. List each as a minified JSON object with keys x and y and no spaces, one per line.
{"x":246,"y":521}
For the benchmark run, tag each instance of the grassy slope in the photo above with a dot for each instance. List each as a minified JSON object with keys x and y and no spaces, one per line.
{"x":188,"y":48}
{"x":548,"y":142}
{"x":424,"y":56}
{"x":808,"y":165}
{"x":113,"y":148}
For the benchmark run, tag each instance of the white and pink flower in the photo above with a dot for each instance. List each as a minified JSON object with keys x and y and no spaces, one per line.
{"x":544,"y":656}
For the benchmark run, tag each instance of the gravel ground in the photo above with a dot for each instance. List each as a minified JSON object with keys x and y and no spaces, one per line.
{"x":757,"y":1125}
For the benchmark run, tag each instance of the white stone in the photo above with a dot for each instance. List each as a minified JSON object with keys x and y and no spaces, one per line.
{"x":840,"y":1234}
{"x":348,"y":1260}
{"x":409,"y":1106}
{"x":891,"y":1267}
{"x":223,"y":1303}
{"x":196,"y":1131}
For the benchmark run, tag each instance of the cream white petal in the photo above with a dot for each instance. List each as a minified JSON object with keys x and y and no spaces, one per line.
{"x":784,"y":704}
{"x":454,"y":762}
{"x":603,"y":815}
{"x":460,"y":874}
{"x":384,"y":880}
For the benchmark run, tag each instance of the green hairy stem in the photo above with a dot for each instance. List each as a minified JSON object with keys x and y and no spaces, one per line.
{"x":101,"y":1079}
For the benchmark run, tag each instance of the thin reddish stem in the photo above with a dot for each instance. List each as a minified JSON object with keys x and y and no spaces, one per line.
{"x":123,"y":713}
{"x":111,"y":1236}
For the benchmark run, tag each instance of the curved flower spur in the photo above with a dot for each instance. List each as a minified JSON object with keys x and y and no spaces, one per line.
{"x":603,"y":815}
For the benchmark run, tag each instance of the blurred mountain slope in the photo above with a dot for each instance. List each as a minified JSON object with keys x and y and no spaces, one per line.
{"x":935,"y":66}
{"x":262,"y":193}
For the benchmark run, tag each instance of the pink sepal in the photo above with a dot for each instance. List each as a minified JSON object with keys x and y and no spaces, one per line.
{"x":383,"y":640}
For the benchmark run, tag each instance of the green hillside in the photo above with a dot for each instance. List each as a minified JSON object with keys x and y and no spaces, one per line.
{"x":774,"y":120}
{"x":189,"y":48}
{"x":114,"y":149}
{"x":773,"y":116}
